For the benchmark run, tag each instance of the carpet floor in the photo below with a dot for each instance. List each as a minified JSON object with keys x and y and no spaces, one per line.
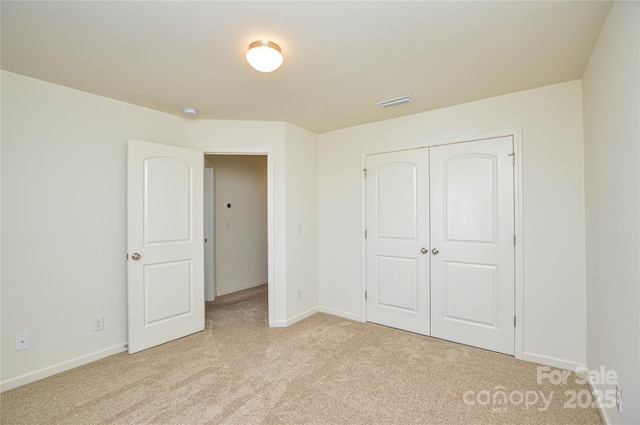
{"x":322,"y":370}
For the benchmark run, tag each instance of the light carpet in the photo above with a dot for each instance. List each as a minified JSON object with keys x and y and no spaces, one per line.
{"x":322,"y":370}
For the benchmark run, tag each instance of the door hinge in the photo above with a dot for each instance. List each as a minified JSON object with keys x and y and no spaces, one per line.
{"x":364,"y":170}
{"x":513,"y":158}
{"x":514,"y":321}
{"x":205,"y":240}
{"x":365,"y":234}
{"x":514,"y":240}
{"x":365,"y":295}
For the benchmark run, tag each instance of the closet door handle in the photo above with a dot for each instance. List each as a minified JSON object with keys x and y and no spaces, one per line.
{"x":435,"y":251}
{"x":424,"y":250}
{"x":136,"y":256}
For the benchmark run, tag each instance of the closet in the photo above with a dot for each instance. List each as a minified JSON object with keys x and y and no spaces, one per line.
{"x":440,"y":242}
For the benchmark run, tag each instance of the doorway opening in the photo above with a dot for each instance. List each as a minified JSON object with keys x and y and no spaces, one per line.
{"x":236,"y":224}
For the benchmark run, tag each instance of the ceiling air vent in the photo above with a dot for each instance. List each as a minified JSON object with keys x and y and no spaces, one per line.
{"x":397,"y":101}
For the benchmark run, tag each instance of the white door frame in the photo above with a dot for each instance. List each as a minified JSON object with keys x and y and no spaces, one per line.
{"x":268,"y":152}
{"x":516,"y":133}
{"x":210,"y":232}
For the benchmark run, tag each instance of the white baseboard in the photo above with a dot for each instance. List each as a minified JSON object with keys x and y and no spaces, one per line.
{"x":220,"y":292}
{"x":295,"y":319}
{"x":36,"y":375}
{"x":604,"y":416}
{"x":551,"y":361}
{"x":343,"y":314}
{"x":279,"y":324}
{"x":302,"y":315}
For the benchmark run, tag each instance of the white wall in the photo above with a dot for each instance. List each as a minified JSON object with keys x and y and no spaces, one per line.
{"x":294,"y":164}
{"x":1,"y":341}
{"x":212,"y":136}
{"x":64,"y":220}
{"x":302,"y":222}
{"x":64,"y":217}
{"x":241,"y":249}
{"x":553,"y":202}
{"x":612,"y":160}
{"x":63,"y":210}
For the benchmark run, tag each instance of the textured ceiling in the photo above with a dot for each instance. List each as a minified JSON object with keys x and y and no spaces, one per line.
{"x":340,"y":57}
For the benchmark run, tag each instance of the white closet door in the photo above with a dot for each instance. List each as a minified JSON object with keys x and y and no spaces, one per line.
{"x":472,"y":243}
{"x":397,"y":230}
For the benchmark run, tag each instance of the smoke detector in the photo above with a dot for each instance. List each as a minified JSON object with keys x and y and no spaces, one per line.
{"x":190,"y":111}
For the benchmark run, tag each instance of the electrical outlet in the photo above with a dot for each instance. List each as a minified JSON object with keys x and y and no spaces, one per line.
{"x":98,"y":323}
{"x":22,"y":341}
{"x":299,"y":294}
{"x":619,"y":398}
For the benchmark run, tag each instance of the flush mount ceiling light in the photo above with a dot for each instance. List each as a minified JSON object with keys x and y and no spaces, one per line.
{"x":397,"y":101}
{"x":264,"y":55}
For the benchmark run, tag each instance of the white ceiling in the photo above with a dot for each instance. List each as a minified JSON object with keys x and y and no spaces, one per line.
{"x":341,"y":57}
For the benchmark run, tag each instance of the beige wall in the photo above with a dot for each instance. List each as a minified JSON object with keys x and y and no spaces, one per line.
{"x":550,"y":119}
{"x":612,"y":163}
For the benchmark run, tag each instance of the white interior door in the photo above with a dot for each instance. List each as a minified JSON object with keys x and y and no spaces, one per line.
{"x":165,"y":283}
{"x":397,"y":230}
{"x":472,"y":242}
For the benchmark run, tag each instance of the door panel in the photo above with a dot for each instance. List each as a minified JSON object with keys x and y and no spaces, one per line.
{"x":165,"y":285}
{"x":397,"y":272}
{"x":396,"y":206}
{"x":470,"y":193}
{"x":403,"y":272}
{"x":471,"y":281}
{"x":167,"y":200}
{"x":472,"y":228}
{"x":166,"y":291}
